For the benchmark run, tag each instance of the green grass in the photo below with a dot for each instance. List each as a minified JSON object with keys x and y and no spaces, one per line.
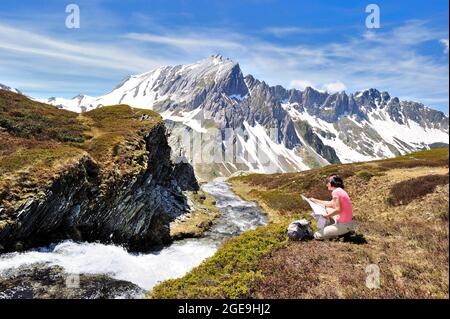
{"x":406,"y":191}
{"x":120,"y":118}
{"x":366,"y":175}
{"x":25,"y":118}
{"x":437,"y":153}
{"x":231,"y":272}
{"x":204,"y":214}
{"x":35,"y":157}
{"x":36,"y":132}
{"x":283,"y":202}
{"x":113,"y":128}
{"x":431,"y":158}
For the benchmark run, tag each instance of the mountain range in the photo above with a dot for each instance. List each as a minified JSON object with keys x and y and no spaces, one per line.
{"x":274,"y":129}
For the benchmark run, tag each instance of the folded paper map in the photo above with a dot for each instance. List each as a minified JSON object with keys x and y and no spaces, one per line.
{"x":318,"y":212}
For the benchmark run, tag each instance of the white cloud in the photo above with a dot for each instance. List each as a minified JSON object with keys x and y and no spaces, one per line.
{"x":335,"y":87}
{"x":300,"y":84}
{"x":331,"y":87}
{"x":445,"y":43}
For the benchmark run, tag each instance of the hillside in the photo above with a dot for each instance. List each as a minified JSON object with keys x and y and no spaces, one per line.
{"x":40,"y":141}
{"x":401,"y":216}
{"x":102,"y":175}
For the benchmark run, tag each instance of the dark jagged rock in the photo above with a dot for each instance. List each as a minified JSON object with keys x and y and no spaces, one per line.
{"x":325,"y":151}
{"x":184,"y":175}
{"x":135,"y":211}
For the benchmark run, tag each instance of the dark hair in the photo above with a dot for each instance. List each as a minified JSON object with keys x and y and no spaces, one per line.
{"x":335,"y":181}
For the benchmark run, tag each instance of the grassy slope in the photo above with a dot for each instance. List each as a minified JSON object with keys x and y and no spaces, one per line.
{"x":406,"y":233}
{"x":39,"y":142}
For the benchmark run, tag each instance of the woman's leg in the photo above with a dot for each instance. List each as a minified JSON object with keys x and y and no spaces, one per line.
{"x":332,"y":231}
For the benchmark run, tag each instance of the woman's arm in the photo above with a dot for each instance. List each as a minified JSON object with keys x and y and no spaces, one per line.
{"x":335,"y":211}
{"x":325,"y":203}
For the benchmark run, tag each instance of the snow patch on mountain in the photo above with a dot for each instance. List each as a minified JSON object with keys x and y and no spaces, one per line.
{"x":269,"y":156}
{"x":345,"y":153}
{"x":186,"y":118}
{"x":80,"y":103}
{"x":411,"y":132}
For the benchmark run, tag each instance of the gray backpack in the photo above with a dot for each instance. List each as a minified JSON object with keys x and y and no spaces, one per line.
{"x":300,"y":230}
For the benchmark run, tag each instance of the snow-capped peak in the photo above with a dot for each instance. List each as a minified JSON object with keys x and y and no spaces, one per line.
{"x":179,"y":84}
{"x":218,"y":58}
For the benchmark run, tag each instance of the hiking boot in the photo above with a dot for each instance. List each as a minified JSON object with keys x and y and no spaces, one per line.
{"x":318,"y":236}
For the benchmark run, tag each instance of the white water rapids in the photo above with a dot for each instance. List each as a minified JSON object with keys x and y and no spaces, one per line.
{"x":146,"y":269}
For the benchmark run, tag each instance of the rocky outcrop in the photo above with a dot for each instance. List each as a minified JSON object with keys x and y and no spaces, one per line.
{"x":312,"y":139}
{"x":133,"y":210}
{"x":41,"y":281}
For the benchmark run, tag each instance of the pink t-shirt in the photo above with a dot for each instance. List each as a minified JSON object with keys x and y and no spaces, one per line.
{"x":346,"y":205}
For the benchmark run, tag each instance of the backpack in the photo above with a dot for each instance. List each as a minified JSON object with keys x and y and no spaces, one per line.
{"x":300,"y":230}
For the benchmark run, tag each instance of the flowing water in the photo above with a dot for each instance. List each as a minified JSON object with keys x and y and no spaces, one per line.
{"x":144,"y":269}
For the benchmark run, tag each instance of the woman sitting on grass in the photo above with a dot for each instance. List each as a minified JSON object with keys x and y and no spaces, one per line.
{"x":339,"y":210}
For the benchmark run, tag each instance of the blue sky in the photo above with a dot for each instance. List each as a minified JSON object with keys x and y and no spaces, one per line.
{"x":323,"y":44}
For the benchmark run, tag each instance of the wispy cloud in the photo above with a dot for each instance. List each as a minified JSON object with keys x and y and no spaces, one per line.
{"x":184,"y":43}
{"x":100,"y":55}
{"x":56,"y":64}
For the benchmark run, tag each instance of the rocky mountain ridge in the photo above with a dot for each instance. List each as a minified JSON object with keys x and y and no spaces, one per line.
{"x":293,"y":129}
